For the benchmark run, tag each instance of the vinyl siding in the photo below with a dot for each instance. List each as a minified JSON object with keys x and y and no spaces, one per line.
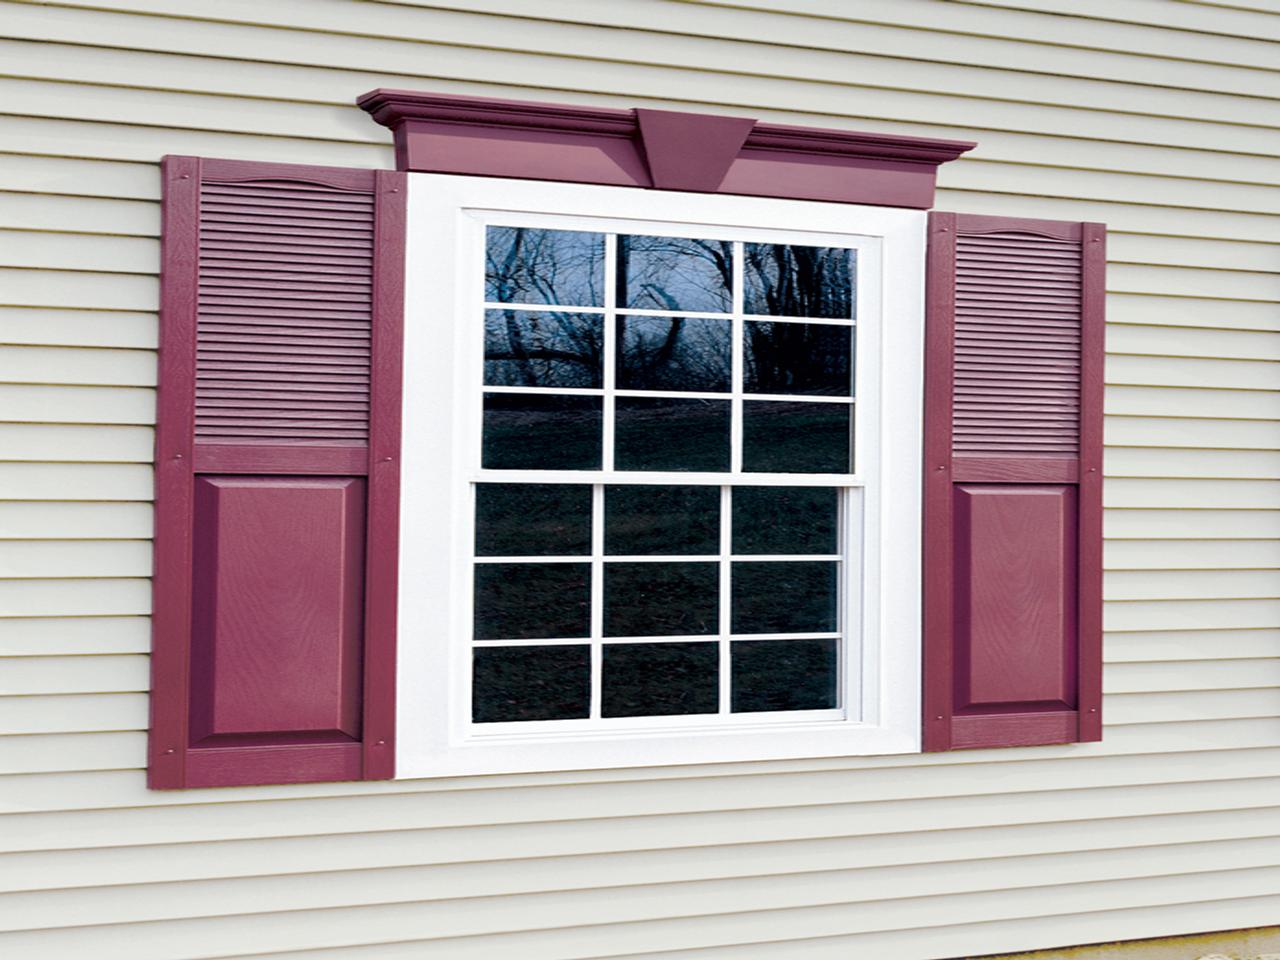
{"x":1160,"y":118}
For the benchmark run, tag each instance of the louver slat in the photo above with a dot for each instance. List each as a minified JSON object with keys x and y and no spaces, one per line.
{"x":277,"y":474}
{"x":1013,"y":427}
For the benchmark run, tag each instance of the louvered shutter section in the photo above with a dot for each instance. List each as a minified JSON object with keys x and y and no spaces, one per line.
{"x":277,"y":458}
{"x":1013,"y":481}
{"x":1017,"y":359}
{"x":285,"y":310}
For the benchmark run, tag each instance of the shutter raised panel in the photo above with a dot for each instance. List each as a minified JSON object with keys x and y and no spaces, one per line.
{"x":277,"y":454}
{"x":1013,"y":479}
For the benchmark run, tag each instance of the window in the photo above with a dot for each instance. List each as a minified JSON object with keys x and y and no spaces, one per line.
{"x":647,"y":509}
{"x":599,"y":425}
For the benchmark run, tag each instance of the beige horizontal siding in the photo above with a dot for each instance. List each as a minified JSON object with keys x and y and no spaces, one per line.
{"x":51,"y":636}
{"x":1161,"y":119}
{"x":88,"y":513}
{"x":560,"y":890}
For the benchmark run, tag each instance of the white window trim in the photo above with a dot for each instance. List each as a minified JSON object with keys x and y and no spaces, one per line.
{"x":443,"y":360}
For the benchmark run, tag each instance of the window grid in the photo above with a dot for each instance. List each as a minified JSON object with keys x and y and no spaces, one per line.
{"x":725,"y":637}
{"x":736,"y":396}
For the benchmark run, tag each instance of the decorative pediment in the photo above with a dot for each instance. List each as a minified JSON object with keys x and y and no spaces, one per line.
{"x":657,"y":149}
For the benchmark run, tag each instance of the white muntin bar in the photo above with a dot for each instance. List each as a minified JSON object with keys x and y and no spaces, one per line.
{"x":668,"y":558}
{"x":735,"y":423}
{"x":667,"y":478}
{"x":665,"y":394}
{"x":610,"y":353}
{"x":726,"y":595}
{"x":683,"y":638}
{"x":671,"y":314}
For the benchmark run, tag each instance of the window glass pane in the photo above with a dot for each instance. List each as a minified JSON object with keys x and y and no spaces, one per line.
{"x":811,"y":358}
{"x":525,"y":348}
{"x":785,"y":519}
{"x":660,"y":679}
{"x":783,"y":437}
{"x":533,"y":519}
{"x":531,"y":683}
{"x":659,"y":519}
{"x":675,"y":273}
{"x":661,"y":599}
{"x":674,"y":353}
{"x":785,"y":280}
{"x":784,"y":675}
{"x":536,"y":432}
{"x":671,"y":434}
{"x":532,"y":601}
{"x":784,"y":596}
{"x":529,"y":265}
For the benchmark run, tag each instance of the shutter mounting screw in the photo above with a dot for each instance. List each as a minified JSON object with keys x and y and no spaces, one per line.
{"x":382,"y":743}
{"x":185,"y":176}
{"x":386,"y":459}
{"x":177,"y":456}
{"x":168,"y":752}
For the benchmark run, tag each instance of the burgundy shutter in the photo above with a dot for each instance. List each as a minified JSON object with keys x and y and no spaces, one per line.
{"x":1013,"y":482}
{"x":277,"y":460}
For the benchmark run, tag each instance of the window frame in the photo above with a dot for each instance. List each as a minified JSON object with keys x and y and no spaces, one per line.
{"x":443,"y":363}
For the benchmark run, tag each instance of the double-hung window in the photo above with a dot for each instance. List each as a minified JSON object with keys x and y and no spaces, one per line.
{"x":656,"y":504}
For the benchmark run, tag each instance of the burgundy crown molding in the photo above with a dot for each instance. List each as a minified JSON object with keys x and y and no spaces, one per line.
{"x":657,"y":149}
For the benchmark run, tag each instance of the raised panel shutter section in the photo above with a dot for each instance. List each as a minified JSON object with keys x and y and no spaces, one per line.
{"x":277,"y":459}
{"x":1013,"y":482}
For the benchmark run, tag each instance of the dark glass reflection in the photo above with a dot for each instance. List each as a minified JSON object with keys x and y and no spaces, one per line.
{"x":533,"y":519}
{"x":784,"y":280}
{"x":784,"y":675}
{"x":784,"y":596}
{"x":525,"y":431}
{"x":661,"y":599}
{"x":531,"y":683}
{"x":675,"y":273}
{"x":784,"y":437}
{"x":524,"y":348}
{"x":661,"y":519}
{"x":532,"y":601}
{"x":529,"y":265}
{"x":674,"y":353}
{"x":671,"y":434}
{"x":811,"y":358}
{"x":785,"y":520}
{"x":660,"y":679}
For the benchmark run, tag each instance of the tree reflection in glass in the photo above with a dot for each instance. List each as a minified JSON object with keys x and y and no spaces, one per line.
{"x":542,"y":348}
{"x":529,"y":265}
{"x":786,"y":280}
{"x":675,"y":273}
{"x":674,"y":353}
{"x":797,"y":358}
